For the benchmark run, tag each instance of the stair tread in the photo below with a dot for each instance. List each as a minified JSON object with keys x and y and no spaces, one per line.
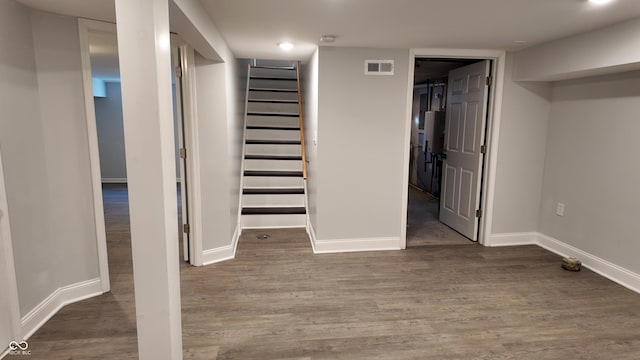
{"x":255,"y":113}
{"x":273,"y":157}
{"x":273,"y":67}
{"x":272,"y":78}
{"x":273,"y":90}
{"x":284,"y":210}
{"x":255,"y":127}
{"x":273,"y":191}
{"x":276,"y":173}
{"x":273,"y":142}
{"x":273,"y":101}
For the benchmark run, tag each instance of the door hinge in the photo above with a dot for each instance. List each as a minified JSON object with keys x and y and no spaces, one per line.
{"x":483,"y":149}
{"x":178,"y":71}
{"x":186,"y":228}
{"x":489,"y":79}
{"x":183,"y":153}
{"x":479,"y":213}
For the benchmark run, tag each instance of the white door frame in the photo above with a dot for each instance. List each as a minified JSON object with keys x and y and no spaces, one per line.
{"x":10,"y":270}
{"x":85,"y":26}
{"x":494,"y":115}
{"x":190,"y":131}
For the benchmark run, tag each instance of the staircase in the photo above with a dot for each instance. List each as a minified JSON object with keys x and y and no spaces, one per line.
{"x":273,"y":192}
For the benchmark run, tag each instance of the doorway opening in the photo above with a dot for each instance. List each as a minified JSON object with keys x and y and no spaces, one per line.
{"x":109,"y":132}
{"x":450,"y":108}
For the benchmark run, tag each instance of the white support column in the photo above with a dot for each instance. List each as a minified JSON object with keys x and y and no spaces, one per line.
{"x":145,"y":70}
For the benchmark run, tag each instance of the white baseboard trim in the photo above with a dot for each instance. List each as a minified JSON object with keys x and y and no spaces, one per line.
{"x":236,"y":237}
{"x":353,"y":245}
{"x":312,"y":235}
{"x":223,"y":253}
{"x":594,"y":263}
{"x":39,"y":315}
{"x":512,"y":239}
{"x":611,"y":271}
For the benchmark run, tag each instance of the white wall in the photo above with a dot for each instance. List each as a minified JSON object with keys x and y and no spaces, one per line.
{"x":113,"y":166}
{"x":608,"y":50}
{"x":220,"y":139}
{"x":213,"y":141}
{"x":44,"y":144}
{"x":220,"y":87}
{"x":237,"y":86}
{"x":520,"y":163}
{"x":9,"y":299}
{"x":361,"y":128}
{"x":309,"y":82}
{"x":23,"y":153}
{"x":57,"y":51}
{"x":592,"y":167}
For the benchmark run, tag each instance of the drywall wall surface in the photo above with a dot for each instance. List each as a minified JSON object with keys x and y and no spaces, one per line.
{"x":611,"y":49}
{"x":21,"y":140}
{"x":113,"y":167}
{"x":521,"y":154}
{"x":361,"y":132}
{"x":190,"y":19}
{"x":309,"y":88}
{"x":236,"y":98}
{"x":72,"y":229}
{"x":215,"y":167}
{"x":592,"y":167}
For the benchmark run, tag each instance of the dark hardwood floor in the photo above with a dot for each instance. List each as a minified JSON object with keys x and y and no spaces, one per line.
{"x":277,"y":300}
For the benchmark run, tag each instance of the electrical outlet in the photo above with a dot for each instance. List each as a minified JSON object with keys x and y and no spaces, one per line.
{"x":560,"y":209}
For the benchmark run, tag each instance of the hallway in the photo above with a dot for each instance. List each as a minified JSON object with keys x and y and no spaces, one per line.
{"x":423,"y":226}
{"x":277,"y":300}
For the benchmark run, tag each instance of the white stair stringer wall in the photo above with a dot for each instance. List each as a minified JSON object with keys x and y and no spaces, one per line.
{"x":273,"y":191}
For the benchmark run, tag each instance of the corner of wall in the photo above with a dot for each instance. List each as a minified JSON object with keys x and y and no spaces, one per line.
{"x":61,"y":297}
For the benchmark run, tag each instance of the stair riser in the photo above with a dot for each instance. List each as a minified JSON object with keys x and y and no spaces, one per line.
{"x":273,"y":84}
{"x":259,"y":149}
{"x":253,"y":134}
{"x":273,"y":221}
{"x":272,"y":108}
{"x":254,"y":120}
{"x":275,"y":165}
{"x":260,"y":182}
{"x":269,"y":95}
{"x":279,"y":73}
{"x":272,"y":200}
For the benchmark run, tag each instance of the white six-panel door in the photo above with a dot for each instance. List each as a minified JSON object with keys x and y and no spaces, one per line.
{"x":464,"y":136}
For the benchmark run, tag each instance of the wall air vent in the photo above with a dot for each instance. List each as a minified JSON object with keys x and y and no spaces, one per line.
{"x":378,"y":67}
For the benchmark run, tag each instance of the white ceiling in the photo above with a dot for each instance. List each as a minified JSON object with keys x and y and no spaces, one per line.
{"x":252,"y":28}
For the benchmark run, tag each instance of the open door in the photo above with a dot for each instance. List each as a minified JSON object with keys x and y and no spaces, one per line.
{"x":467,"y":96}
{"x":178,"y":60}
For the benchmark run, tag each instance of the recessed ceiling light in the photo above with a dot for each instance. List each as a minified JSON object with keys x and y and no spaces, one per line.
{"x":599,"y":2}
{"x":286,"y":46}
